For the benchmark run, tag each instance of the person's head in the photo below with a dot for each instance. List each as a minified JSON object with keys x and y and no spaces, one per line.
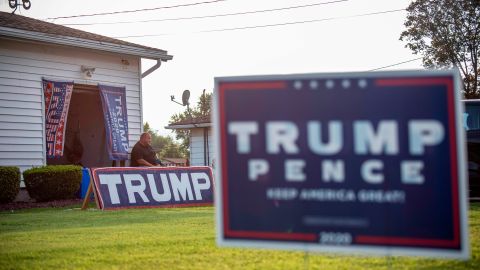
{"x":146,"y":138}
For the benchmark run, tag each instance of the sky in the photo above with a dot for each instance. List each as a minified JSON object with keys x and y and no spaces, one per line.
{"x":322,"y":36}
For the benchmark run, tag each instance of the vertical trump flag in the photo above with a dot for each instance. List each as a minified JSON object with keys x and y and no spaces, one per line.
{"x":116,"y":123}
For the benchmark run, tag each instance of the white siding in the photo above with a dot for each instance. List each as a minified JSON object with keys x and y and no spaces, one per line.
{"x":22,"y":66}
{"x":197,"y":147}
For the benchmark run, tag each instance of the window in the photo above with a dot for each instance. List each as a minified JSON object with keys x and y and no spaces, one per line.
{"x":471,"y":116}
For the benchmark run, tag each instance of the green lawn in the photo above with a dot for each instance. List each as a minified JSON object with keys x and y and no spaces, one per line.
{"x":166,"y":239}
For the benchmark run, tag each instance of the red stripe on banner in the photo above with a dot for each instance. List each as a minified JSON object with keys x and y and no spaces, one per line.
{"x":161,"y":206}
{"x":226,"y":222}
{"x":47,"y":93}
{"x":275,"y":236}
{"x":96,"y":186}
{"x":123,"y":169}
{"x":279,"y":85}
{"x":453,"y":155}
{"x":366,"y":239}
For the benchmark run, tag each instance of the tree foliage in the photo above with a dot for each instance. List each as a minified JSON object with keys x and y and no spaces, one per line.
{"x":447,"y":33}
{"x":165,"y":146}
{"x":201,"y":110}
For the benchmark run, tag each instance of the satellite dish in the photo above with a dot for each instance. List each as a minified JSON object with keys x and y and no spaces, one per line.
{"x":185,"y":97}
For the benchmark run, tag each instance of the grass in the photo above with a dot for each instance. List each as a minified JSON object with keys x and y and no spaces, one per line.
{"x":167,"y":239}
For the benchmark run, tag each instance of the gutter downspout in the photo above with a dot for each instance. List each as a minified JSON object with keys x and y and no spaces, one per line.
{"x":205,"y":138}
{"x":152,"y":69}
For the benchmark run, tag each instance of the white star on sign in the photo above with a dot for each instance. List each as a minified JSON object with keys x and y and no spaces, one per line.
{"x":362,"y":83}
{"x":329,"y":84}
{"x":297,"y":85}
{"x":345,"y":83}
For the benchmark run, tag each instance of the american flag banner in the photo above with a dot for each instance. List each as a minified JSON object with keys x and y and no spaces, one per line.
{"x":57,"y":101}
{"x":116,"y":124}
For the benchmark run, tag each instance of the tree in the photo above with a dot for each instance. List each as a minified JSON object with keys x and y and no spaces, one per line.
{"x":200,"y":111}
{"x":165,"y":146}
{"x":204,"y":105}
{"x":447,"y":33}
{"x":146,"y":128}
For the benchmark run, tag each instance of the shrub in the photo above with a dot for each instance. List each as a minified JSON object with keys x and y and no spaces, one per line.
{"x":9,"y":183}
{"x":49,"y":183}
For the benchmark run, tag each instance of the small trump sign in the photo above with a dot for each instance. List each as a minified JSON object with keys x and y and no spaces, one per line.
{"x":349,"y":162}
{"x":146,"y":187}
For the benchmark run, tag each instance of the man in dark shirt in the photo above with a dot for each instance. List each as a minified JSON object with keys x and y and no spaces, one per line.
{"x":143,"y":154}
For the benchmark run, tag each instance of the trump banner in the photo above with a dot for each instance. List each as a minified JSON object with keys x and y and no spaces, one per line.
{"x":146,"y":187}
{"x":350,"y":162}
{"x":116,"y":123}
{"x":57,"y":97}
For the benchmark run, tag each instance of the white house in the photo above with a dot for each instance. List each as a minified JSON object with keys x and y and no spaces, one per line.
{"x":30,"y":50}
{"x":202,"y":146}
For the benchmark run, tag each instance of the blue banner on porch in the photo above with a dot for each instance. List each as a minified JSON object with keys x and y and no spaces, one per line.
{"x":116,"y":124}
{"x":57,"y":97}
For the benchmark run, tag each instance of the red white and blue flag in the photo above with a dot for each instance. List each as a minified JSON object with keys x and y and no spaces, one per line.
{"x":57,"y":101}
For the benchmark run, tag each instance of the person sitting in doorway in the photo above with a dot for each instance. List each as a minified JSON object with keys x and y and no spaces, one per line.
{"x":143,"y":154}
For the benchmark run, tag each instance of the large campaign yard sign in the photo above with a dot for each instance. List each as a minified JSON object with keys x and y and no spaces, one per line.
{"x":351,"y":162}
{"x":146,"y":187}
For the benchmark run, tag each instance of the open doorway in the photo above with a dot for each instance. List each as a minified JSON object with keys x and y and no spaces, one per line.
{"x":85,"y":141}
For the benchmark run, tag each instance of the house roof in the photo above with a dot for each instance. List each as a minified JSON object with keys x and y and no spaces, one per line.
{"x":198,"y":122}
{"x":17,"y":26}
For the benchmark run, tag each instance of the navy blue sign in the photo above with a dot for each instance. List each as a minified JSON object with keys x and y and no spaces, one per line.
{"x":119,"y":188}
{"x":116,"y":124}
{"x":356,"y":162}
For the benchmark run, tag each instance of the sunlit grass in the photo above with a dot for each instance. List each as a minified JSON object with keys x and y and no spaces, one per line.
{"x":167,"y":239}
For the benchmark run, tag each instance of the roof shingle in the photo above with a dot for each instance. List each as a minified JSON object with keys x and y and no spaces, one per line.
{"x":29,"y":24}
